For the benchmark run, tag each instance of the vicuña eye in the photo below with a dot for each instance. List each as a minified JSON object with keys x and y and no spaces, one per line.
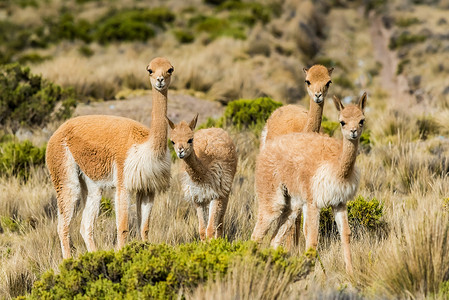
{"x":361,"y":122}
{"x":170,"y":70}
{"x":308,"y":82}
{"x":150,"y":71}
{"x":172,"y":142}
{"x":328,"y":83}
{"x":190,"y":141}
{"x":342,"y":123}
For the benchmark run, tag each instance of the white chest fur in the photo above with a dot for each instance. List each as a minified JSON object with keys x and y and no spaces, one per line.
{"x":146,"y":171}
{"x":328,"y":190}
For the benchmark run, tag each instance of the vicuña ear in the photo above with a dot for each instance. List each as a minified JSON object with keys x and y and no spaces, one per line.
{"x":193,"y":122}
{"x":305,"y":70}
{"x":330,"y":70}
{"x":170,"y":123}
{"x":338,"y":103}
{"x":362,"y":102}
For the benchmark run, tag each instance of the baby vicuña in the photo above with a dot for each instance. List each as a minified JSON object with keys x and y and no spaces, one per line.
{"x":310,"y":171}
{"x":210,"y":162}
{"x":89,"y":153}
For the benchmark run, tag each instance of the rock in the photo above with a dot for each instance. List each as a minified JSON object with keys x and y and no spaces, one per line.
{"x":432,"y":49}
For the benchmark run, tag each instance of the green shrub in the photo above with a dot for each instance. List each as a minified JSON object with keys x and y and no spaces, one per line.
{"x":106,"y":206}
{"x":344,"y":82}
{"x":18,"y":158}
{"x":406,"y":21}
{"x":32,"y":58}
{"x":361,"y":214}
{"x":329,"y":127}
{"x":27,"y":99}
{"x":67,"y":28}
{"x":86,"y":51}
{"x":145,"y":271}
{"x":131,"y":25}
{"x":246,"y":113}
{"x":183,"y":36}
{"x":405,"y":38}
{"x":217,"y":27}
{"x":401,"y":66}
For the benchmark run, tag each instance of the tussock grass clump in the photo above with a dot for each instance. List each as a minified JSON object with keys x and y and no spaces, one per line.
{"x":27,"y":99}
{"x":142,"y":270}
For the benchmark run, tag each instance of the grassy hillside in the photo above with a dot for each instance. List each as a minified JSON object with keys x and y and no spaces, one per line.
{"x":97,"y":50}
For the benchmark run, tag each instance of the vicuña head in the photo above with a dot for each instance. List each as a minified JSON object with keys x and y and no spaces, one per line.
{"x":182,"y":137}
{"x":160,"y":71}
{"x":318,"y":80}
{"x":310,"y":171}
{"x":351,"y":118}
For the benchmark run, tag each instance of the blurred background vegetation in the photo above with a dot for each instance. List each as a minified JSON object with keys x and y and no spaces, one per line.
{"x":235,"y":62}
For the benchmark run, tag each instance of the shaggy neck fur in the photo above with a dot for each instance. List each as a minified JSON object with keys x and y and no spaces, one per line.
{"x":195,"y":168}
{"x":347,"y":158}
{"x":314,"y":117}
{"x":158,"y":127}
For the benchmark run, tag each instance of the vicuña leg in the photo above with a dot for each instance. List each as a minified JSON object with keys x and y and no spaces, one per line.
{"x":312,"y":224}
{"x":268,"y":213}
{"x":121,"y":212}
{"x":287,"y":222}
{"x":68,"y":195}
{"x":341,"y":218}
{"x":90,"y":214}
{"x":144,"y":203}
{"x":217,"y":209}
{"x":201,"y":211}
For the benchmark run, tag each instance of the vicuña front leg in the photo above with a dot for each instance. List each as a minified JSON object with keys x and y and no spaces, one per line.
{"x":144,"y":202}
{"x":121,"y":212}
{"x":312,"y":224}
{"x":217,"y":209}
{"x":201,"y":211}
{"x":341,"y":218}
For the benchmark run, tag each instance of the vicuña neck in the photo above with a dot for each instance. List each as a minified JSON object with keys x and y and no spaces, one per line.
{"x":195,"y":168}
{"x":314,"y":117}
{"x":158,"y":127}
{"x":347,"y":158}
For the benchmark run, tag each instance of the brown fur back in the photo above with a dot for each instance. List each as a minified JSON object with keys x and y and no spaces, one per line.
{"x":113,"y":137}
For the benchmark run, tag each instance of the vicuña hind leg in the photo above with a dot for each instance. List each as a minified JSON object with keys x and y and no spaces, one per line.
{"x":341,"y":218}
{"x":217,"y":209}
{"x":287,"y":222}
{"x":121,"y":212}
{"x":144,"y":203}
{"x":67,"y":196}
{"x":90,"y":213}
{"x":269,"y":211}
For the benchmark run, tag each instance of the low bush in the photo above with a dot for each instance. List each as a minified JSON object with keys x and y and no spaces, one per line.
{"x":217,"y":27}
{"x":244,"y":114}
{"x":183,"y":36}
{"x":362,"y":213}
{"x":405,"y":38}
{"x":131,"y":25}
{"x":17,"y":158}
{"x":27,"y":99}
{"x":145,"y":271}
{"x":329,"y":127}
{"x":406,"y":21}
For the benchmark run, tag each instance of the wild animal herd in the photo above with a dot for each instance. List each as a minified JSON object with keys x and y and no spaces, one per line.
{"x":298,"y":168}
